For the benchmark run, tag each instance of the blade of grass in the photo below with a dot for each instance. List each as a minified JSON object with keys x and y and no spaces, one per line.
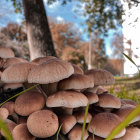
{"x":19,"y":94}
{"x":132,"y":62}
{"x":5,"y":130}
{"x":57,"y":136}
{"x":84,"y":124}
{"x":124,"y":123}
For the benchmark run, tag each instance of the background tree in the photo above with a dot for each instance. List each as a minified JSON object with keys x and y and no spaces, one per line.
{"x":38,"y":32}
{"x":14,"y":36}
{"x":100,"y":15}
{"x":64,"y":34}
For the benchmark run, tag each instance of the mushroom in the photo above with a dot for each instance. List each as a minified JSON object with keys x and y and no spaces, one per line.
{"x":20,"y":132}
{"x":101,"y":90}
{"x":92,"y":97}
{"x":6,"y":52}
{"x":132,"y":133}
{"x":41,"y":60}
{"x":124,"y":111}
{"x":10,"y":106}
{"x":109,"y":102}
{"x":128,"y":101}
{"x":11,"y":61}
{"x":29,"y":102}
{"x":102,"y":125}
{"x":3,"y":113}
{"x":76,"y":82}
{"x":67,"y":99}
{"x":17,"y":73}
{"x":50,"y":72}
{"x":12,"y":86}
{"x":77,"y":69}
{"x":68,"y":122}
{"x":101,"y":77}
{"x":10,"y":125}
{"x":80,"y":117}
{"x":42,"y":123}
{"x":76,"y":133}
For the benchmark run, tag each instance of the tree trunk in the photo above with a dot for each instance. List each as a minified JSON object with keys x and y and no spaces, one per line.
{"x":38,"y":32}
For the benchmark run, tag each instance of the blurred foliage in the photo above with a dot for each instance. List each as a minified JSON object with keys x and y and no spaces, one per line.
{"x":101,"y":15}
{"x":123,"y":92}
{"x":64,"y":34}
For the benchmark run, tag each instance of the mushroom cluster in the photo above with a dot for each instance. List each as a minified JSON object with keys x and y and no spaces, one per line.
{"x":60,"y":100}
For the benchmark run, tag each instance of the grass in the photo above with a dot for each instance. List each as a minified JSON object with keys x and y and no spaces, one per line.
{"x":5,"y":130}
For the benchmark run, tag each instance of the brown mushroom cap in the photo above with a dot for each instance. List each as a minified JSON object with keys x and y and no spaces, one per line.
{"x":10,"y":125}
{"x":124,"y":111}
{"x":20,"y":132}
{"x":77,"y":69}
{"x":68,"y":122}
{"x":132,"y":133}
{"x":92,"y":97}
{"x":80,"y":116}
{"x":101,"y":90}
{"x":102,"y":125}
{"x":76,"y":133}
{"x":43,"y":123}
{"x":128,"y":101}
{"x":101,"y":77}
{"x":41,"y":60}
{"x":12,"y":61}
{"x":6,"y":52}
{"x":109,"y":101}
{"x":16,"y":73}
{"x":29,"y":102}
{"x":10,"y":106}
{"x":50,"y":72}
{"x":69,"y":99}
{"x":4,"y":113}
{"x":76,"y":81}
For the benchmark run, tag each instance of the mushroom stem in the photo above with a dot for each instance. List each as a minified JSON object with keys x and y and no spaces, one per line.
{"x":68,"y":111}
{"x":41,"y":90}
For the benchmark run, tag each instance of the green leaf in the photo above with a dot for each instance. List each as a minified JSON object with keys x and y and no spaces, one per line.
{"x":84,"y":124}
{"x":124,"y":123}
{"x":19,"y":94}
{"x":132,"y":62}
{"x":5,"y":130}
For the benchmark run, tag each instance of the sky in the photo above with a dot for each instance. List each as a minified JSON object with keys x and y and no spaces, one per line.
{"x":56,"y":10}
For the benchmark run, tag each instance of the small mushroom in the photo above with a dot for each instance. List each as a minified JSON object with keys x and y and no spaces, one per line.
{"x":124,"y":111}
{"x":132,"y":133}
{"x":10,"y":106}
{"x":76,"y":82}
{"x":80,"y":117}
{"x":76,"y":133}
{"x":67,"y":100}
{"x":100,"y":77}
{"x":68,"y":122}
{"x":29,"y":102}
{"x":77,"y":69}
{"x":4,"y":113}
{"x":42,"y":123}
{"x":109,"y":102}
{"x":20,"y":132}
{"x":102,"y":125}
{"x":6,"y":52}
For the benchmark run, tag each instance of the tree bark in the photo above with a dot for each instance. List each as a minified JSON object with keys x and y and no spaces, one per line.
{"x":38,"y":32}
